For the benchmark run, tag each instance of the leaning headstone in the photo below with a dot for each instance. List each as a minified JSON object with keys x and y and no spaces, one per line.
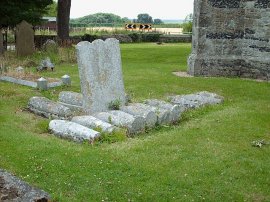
{"x":196,"y":100}
{"x":25,"y":39}
{"x":100,"y":72}
{"x":72,"y":131}
{"x":42,"y":84}
{"x":45,"y":107}
{"x":138,"y":109}
{"x":50,"y":46}
{"x":133,"y":124}
{"x":14,"y":189}
{"x":1,"y":43}
{"x":94,"y":123}
{"x":71,"y":100}
{"x":175,"y":110}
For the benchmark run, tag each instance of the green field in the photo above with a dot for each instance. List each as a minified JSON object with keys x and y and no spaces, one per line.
{"x":207,"y":157}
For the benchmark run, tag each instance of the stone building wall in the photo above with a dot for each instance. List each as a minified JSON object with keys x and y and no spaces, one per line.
{"x":231,"y":38}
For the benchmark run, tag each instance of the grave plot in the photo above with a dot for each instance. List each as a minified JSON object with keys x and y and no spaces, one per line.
{"x":102,"y":103}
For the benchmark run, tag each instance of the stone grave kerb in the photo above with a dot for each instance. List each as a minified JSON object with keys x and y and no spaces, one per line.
{"x":101,"y":78}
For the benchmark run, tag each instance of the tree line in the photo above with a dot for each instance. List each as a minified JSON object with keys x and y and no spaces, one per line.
{"x":112,"y":18}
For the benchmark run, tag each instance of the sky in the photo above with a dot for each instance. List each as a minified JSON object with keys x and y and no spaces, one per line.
{"x":162,"y":9}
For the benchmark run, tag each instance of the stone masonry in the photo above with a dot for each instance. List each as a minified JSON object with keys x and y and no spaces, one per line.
{"x":231,"y":38}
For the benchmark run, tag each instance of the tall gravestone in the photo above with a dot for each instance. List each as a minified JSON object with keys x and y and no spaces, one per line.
{"x":1,"y":43}
{"x":100,"y":72}
{"x":231,"y":38}
{"x":24,"y":39}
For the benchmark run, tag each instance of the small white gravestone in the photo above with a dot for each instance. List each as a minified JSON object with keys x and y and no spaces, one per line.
{"x":100,"y":70}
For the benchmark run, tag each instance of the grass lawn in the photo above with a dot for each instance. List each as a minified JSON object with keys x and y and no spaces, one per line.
{"x":208,"y":156}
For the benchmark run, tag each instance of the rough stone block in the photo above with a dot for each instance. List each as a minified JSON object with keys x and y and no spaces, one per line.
{"x":133,"y":124}
{"x":45,"y":107}
{"x":175,"y":110}
{"x":138,"y":109}
{"x":70,"y":130}
{"x":100,"y":71}
{"x":94,"y":123}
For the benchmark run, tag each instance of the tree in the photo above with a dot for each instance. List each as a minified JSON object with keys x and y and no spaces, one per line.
{"x":52,"y":10}
{"x":63,"y":16}
{"x":187,"y":25}
{"x":144,"y":18}
{"x":99,"y":18}
{"x":13,"y":12}
{"x":158,"y":21}
{"x":189,"y":18}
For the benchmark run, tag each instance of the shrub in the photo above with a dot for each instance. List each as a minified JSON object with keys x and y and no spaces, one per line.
{"x":136,"y":37}
{"x":90,"y":38}
{"x":150,"y":37}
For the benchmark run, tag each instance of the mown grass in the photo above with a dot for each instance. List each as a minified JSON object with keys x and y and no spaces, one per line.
{"x":208,"y":156}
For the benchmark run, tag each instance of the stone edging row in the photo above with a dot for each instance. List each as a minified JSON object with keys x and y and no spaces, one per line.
{"x":134,"y":117}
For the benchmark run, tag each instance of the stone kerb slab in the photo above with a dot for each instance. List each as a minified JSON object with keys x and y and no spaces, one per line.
{"x":138,"y":109}
{"x":73,"y":131}
{"x":40,"y":84}
{"x":133,"y":124}
{"x":100,"y":71}
{"x":94,"y":123}
{"x":196,"y":100}
{"x":72,"y":100}
{"x":174,"y":110}
{"x":45,"y":107}
{"x":19,"y":81}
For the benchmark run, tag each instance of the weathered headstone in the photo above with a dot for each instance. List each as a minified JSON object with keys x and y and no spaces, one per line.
{"x":1,"y":43}
{"x":24,"y":39}
{"x":231,"y":38}
{"x":100,"y":72}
